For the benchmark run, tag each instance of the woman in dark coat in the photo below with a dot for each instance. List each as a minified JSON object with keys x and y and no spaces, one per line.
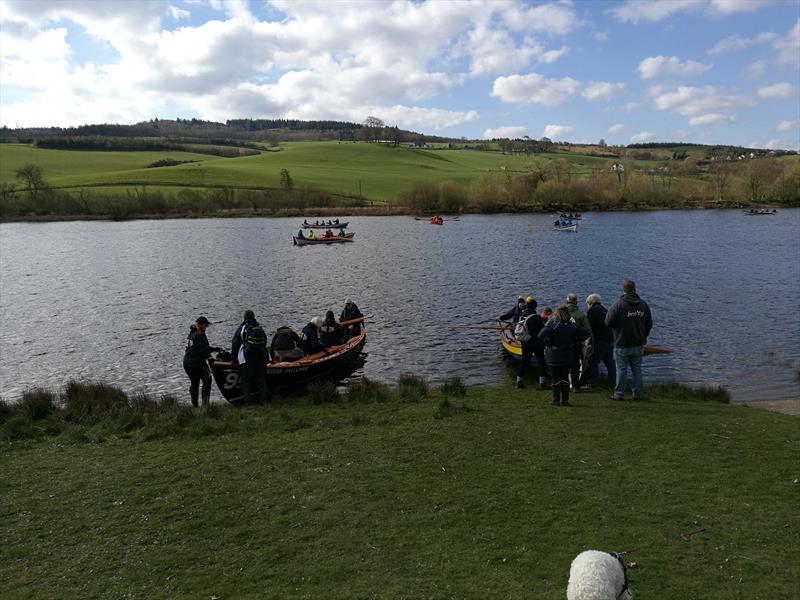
{"x":330,"y":332}
{"x":195,"y":360}
{"x":533,"y":346}
{"x":560,"y":338}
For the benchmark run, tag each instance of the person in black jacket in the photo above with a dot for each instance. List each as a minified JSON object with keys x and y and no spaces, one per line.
{"x":310,"y":335}
{"x":249,"y":350}
{"x":533,"y":324}
{"x":630,"y":321}
{"x":515,"y":312}
{"x":603,"y":348}
{"x":560,"y":338}
{"x":195,"y":360}
{"x":350,"y":312}
{"x":286,"y":345}
{"x":330,"y":332}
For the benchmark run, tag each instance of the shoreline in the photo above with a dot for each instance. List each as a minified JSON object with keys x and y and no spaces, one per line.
{"x":786,"y":406}
{"x":373,"y":210}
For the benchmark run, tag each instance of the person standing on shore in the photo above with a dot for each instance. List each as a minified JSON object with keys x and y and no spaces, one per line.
{"x":530,"y":324}
{"x":580,"y":350}
{"x":249,"y":350}
{"x":560,"y":337}
{"x":603,"y":349}
{"x":630,"y":321}
{"x":195,"y":360}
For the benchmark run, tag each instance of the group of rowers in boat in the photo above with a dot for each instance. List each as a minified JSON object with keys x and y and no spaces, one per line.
{"x":761,"y":211}
{"x":321,"y":223}
{"x":570,"y":216}
{"x":318,"y":334}
{"x":313,"y":236}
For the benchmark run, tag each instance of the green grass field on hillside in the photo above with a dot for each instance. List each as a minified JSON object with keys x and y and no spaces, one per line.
{"x":85,"y":165}
{"x":401,"y":496}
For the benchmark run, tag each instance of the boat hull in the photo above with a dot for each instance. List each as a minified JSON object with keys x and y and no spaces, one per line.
{"x":322,"y":240}
{"x":573,"y":228}
{"x":326,"y":364}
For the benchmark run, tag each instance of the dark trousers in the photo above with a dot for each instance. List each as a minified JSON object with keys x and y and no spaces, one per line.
{"x":527,"y":353}
{"x":196,"y":375}
{"x":254,"y":378}
{"x":560,"y":375}
{"x":603,"y":352}
{"x":575,"y":368}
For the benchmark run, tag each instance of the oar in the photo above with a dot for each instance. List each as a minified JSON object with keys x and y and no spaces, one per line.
{"x":474,"y":326}
{"x":656,"y":350}
{"x":352,"y":321}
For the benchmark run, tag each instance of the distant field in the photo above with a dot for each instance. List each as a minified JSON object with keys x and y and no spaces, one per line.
{"x":374,"y":171}
{"x":85,"y":164}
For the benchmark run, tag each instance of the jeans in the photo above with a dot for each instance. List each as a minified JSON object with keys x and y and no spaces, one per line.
{"x":623,"y":357}
{"x":603,"y":352}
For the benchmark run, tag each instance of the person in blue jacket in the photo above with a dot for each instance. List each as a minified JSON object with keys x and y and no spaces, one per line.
{"x":560,"y":338}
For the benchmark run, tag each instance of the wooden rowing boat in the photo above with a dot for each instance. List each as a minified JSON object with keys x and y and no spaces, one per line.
{"x":304,"y":241}
{"x":573,"y":228}
{"x":329,"y":363}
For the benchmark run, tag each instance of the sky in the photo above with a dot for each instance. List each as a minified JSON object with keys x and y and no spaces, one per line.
{"x":626,"y":71}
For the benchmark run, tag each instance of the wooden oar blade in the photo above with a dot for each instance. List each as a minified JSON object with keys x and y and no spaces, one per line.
{"x":656,"y":350}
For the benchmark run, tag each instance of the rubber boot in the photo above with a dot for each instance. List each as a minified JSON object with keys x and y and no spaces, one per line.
{"x":565,"y":394}
{"x":542,"y":385}
{"x":520,"y":385}
{"x":556,"y":394}
{"x":206,"y":398}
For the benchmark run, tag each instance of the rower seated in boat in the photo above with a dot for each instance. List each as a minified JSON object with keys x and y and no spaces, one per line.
{"x":286,"y":345}
{"x":330,"y":332}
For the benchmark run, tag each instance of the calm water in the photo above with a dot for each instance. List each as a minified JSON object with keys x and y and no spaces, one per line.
{"x":113,"y":301}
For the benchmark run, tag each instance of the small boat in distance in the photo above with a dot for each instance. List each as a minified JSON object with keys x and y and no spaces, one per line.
{"x":335,"y":239}
{"x":566,"y":226}
{"x":437,"y":220}
{"x":753,"y":212}
{"x":329,"y":225}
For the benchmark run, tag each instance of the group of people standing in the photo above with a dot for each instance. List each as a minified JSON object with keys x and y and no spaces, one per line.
{"x":569,"y":343}
{"x":251,"y":352}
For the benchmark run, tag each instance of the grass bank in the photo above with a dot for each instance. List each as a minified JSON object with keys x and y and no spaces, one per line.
{"x":395,"y":494}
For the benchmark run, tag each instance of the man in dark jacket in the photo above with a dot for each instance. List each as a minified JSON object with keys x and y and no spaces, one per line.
{"x":533,"y":324}
{"x":560,"y":337}
{"x":580,"y":350}
{"x":630,"y":321}
{"x":349,"y":313}
{"x":310,"y":335}
{"x":249,"y":350}
{"x":603,"y":349}
{"x":195,"y":361}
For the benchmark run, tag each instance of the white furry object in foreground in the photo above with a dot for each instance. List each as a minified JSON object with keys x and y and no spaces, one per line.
{"x":596,"y":575}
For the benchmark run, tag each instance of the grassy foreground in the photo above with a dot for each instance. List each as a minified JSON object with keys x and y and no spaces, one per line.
{"x":379,"y":494}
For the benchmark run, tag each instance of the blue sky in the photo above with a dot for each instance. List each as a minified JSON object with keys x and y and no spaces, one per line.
{"x":708,"y":71}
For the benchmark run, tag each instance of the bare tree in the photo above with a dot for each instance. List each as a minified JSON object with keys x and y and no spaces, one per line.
{"x":32,"y":177}
{"x":373,"y":127}
{"x":721,"y":176}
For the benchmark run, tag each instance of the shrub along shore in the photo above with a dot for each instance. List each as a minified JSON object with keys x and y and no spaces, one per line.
{"x":402,"y":491}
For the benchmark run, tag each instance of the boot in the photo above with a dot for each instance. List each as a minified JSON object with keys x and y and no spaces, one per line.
{"x":542,"y":385}
{"x":556,"y":394}
{"x":565,"y":394}
{"x":520,"y":384}
{"x":206,"y":398}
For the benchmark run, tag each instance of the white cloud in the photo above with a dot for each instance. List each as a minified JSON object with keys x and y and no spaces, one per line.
{"x":642,"y":136}
{"x":789,"y":47}
{"x":634,"y":11}
{"x":600,"y":36}
{"x":552,"y":56}
{"x":756,"y":69}
{"x":617,"y":128}
{"x":510,"y":132}
{"x":695,"y":101}
{"x":733,"y":6}
{"x":680,"y":134}
{"x":546,"y":18}
{"x":777,"y":91}
{"x":787,"y":125}
{"x":557,"y":131}
{"x":178,"y":13}
{"x":709,"y":119}
{"x":602,"y":90}
{"x":629,"y":106}
{"x":775,"y":144}
{"x":495,"y":51}
{"x":666,"y":66}
{"x":734,"y":43}
{"x":534,"y":89}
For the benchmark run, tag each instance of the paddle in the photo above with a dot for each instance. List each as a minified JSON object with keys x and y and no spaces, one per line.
{"x":474,"y":326}
{"x":656,"y":350}
{"x":353,"y":321}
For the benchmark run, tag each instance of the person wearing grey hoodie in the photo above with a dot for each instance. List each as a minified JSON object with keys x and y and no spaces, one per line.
{"x":630,"y":321}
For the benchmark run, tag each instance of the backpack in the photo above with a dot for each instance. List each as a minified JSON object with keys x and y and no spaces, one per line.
{"x":254,"y":339}
{"x":521,"y":330}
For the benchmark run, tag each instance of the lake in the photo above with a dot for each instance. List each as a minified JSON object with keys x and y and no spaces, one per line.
{"x":113,"y":301}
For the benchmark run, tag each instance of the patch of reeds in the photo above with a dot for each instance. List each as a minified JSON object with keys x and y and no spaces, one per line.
{"x":453,"y":387}
{"x":680,"y":391}
{"x":368,"y":390}
{"x":322,"y":392}
{"x":412,"y":387}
